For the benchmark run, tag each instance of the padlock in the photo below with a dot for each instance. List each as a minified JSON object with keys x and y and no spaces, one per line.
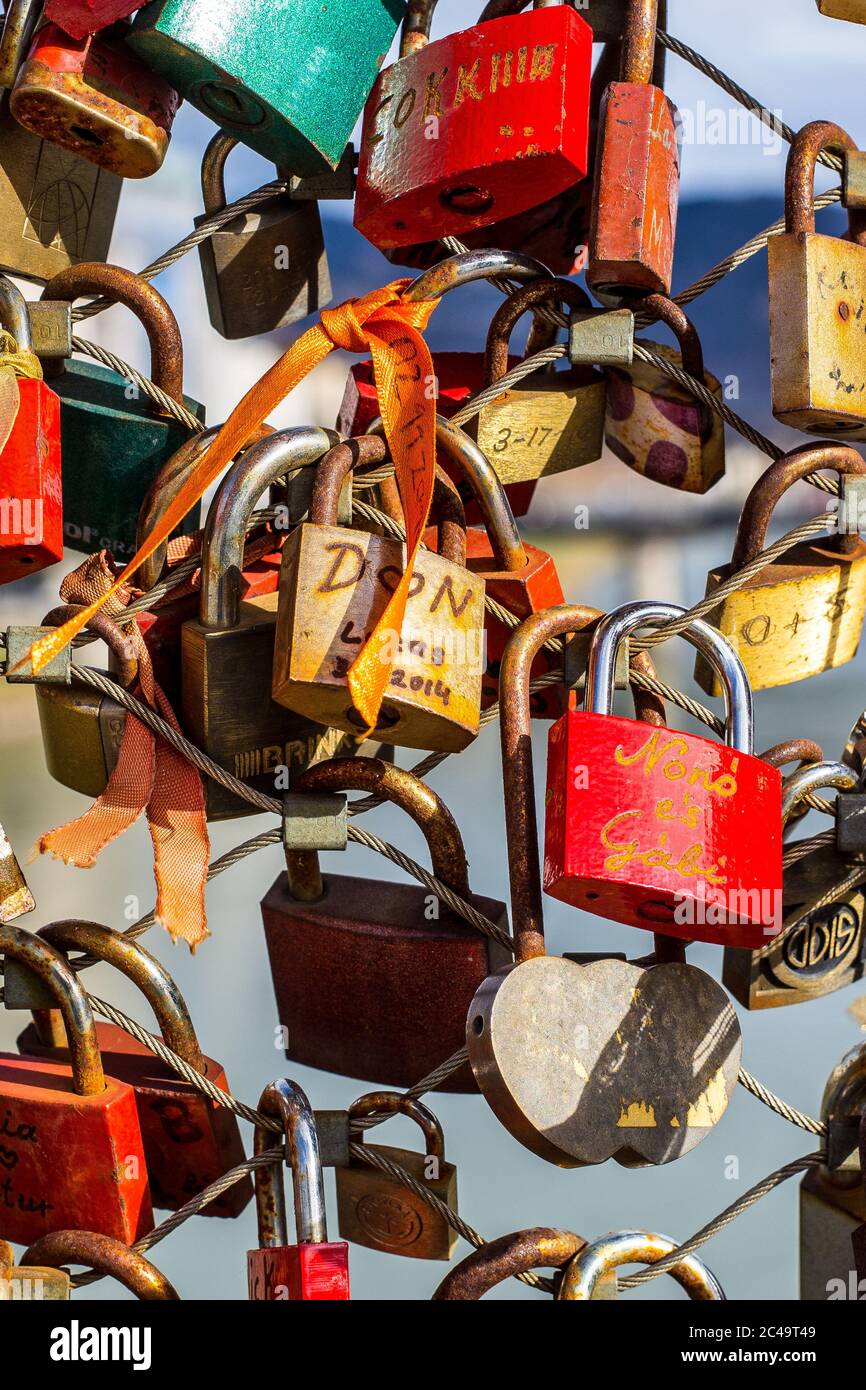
{"x":821,"y":946}
{"x":626,"y":1062}
{"x":189,"y":1140}
{"x":858,"y":1237}
{"x":106,"y":1256}
{"x":82,"y":729}
{"x":114,"y":439}
{"x":227,"y":652}
{"x":31,"y":508}
{"x":377,"y":1211}
{"x":852,"y":10}
{"x":802,"y":751}
{"x":288,"y":78}
{"x":267,"y":268}
{"x":71,"y":1146}
{"x":508,"y":1256}
{"x":314,"y":1269}
{"x":95,"y":98}
{"x":637,"y":173}
{"x":817,"y":284}
{"x":702,"y":859}
{"x":335,"y":584}
{"x":655,"y":425}
{"x":338,"y":946}
{"x":550,"y":421}
{"x":16,"y":900}
{"x":851,"y":820}
{"x":82,"y":17}
{"x":31,"y":1283}
{"x":832,"y":1196}
{"x":20,"y":20}
{"x":476,"y":127}
{"x":584,"y":1276}
{"x":803,"y":613}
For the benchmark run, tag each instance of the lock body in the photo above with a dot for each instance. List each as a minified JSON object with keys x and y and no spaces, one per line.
{"x":57,"y":209}
{"x":548,"y":423}
{"x":288,"y":78}
{"x":475,"y":128}
{"x":77,"y":1162}
{"x":334,"y":586}
{"x":830,"y":1213}
{"x":81,"y":17}
{"x":314,"y":1273}
{"x":334,"y":961}
{"x":663,"y":830}
{"x":93,"y":97}
{"x":16,"y":900}
{"x":661,"y":430}
{"x":81,"y":735}
{"x":376,"y":1211}
{"x":797,"y":617}
{"x":853,"y":10}
{"x":818,"y":360}
{"x":631,"y":247}
{"x":31,"y":536}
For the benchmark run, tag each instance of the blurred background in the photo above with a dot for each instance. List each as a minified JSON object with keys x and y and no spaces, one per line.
{"x":643,"y":542}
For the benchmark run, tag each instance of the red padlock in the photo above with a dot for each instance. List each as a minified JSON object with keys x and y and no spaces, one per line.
{"x":637,"y":172}
{"x":93,"y":96}
{"x":71,"y":1149}
{"x":31,"y":490}
{"x":82,"y":17}
{"x":189,"y":1140}
{"x":315,"y":1269}
{"x":476,"y":127}
{"x":664,"y":830}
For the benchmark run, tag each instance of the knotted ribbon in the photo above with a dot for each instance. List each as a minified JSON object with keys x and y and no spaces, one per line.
{"x":15,"y":362}
{"x":390,"y":329}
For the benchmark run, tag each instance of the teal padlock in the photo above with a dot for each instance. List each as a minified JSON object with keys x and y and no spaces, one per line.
{"x":289,"y":78}
{"x":114,"y":438}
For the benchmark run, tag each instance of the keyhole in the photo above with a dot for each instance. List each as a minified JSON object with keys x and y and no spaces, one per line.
{"x":467,"y":198}
{"x":478,"y":1025}
{"x":90,"y":137}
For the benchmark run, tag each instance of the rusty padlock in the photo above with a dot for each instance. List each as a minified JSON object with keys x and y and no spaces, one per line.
{"x":542,"y":1247}
{"x":105,"y":1255}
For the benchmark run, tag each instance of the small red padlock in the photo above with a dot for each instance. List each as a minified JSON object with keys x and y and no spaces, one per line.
{"x":71,"y":1149}
{"x":31,"y":490}
{"x":664,"y":830}
{"x":637,"y":172}
{"x":82,"y":17}
{"x":476,"y":127}
{"x":93,"y":96}
{"x":315,"y":1269}
{"x":189,"y":1140}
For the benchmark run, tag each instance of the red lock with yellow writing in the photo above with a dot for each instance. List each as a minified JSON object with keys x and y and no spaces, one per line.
{"x":662,"y":829}
{"x":476,"y":127}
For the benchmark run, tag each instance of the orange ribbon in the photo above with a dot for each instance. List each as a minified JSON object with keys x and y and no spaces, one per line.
{"x":390,"y":329}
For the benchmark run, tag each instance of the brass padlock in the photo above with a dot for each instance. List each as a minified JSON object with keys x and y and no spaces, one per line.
{"x":334,"y":586}
{"x":30,"y":1283}
{"x":227,"y":652}
{"x":832,"y":1196}
{"x":378,"y":1211}
{"x":15,"y":897}
{"x":267,"y":268}
{"x":657,"y":426}
{"x":550,"y":421}
{"x":817,"y":290}
{"x":802,"y":614}
{"x":82,"y":729}
{"x":852,"y":10}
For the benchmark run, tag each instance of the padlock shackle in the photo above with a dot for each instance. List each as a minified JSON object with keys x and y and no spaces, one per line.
{"x":146,"y":972}
{"x":468,"y":266}
{"x":52,"y":969}
{"x":514,"y":307}
{"x":415,"y":33}
{"x":153,"y":312}
{"x":14,"y":314}
{"x":636,"y":1247}
{"x":844,"y":1098}
{"x":601,"y":671}
{"x":398,"y":1103}
{"x":770,"y":488}
{"x":286,"y":1102}
{"x":403,"y":789}
{"x":666,"y":311}
{"x":120,"y":643}
{"x":213,"y":168}
{"x":812,"y":778}
{"x":20,"y":22}
{"x":106,"y":1256}
{"x":793,"y":750}
{"x":639,"y":42}
{"x":542,"y":1247}
{"x":800,"y":169}
{"x":232,"y":507}
{"x":517,"y":774}
{"x":372,"y":448}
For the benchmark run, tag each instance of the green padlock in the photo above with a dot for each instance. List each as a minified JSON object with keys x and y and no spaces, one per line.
{"x":288,"y":78}
{"x":114,"y":438}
